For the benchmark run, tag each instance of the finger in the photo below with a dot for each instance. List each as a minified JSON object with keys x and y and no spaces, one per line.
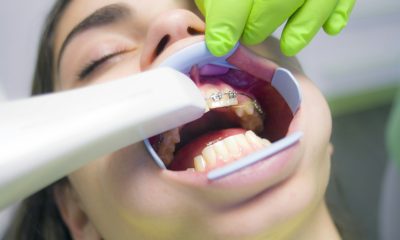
{"x":339,"y":18}
{"x":266,"y":16}
{"x":304,"y":24}
{"x":225,"y":21}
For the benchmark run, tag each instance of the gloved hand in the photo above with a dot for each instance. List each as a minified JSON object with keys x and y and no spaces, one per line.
{"x":254,"y":20}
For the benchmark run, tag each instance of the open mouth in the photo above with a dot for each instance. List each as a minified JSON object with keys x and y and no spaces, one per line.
{"x":251,"y":107}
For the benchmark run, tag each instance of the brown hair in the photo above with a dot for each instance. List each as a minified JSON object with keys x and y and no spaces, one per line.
{"x":43,"y":76}
{"x":38,"y":217}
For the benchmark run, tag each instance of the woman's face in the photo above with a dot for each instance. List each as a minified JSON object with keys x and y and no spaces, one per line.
{"x":124,"y":195}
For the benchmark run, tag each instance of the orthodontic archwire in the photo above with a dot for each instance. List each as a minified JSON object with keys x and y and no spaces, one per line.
{"x":229,"y":98}
{"x":222,"y":99}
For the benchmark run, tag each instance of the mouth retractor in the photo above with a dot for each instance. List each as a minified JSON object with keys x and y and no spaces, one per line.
{"x":283,"y":81}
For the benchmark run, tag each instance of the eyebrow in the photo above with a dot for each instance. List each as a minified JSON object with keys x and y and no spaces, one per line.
{"x":101,"y":17}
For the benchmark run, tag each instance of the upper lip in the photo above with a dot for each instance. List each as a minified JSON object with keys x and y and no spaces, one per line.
{"x":247,"y":182}
{"x":175,"y":47}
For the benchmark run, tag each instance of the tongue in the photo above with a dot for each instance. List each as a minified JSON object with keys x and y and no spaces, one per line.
{"x":184,"y":157}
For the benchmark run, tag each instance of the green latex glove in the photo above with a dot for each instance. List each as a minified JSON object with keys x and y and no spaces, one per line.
{"x":254,"y":20}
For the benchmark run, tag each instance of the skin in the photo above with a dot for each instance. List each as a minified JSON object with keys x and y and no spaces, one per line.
{"x":124,"y":195}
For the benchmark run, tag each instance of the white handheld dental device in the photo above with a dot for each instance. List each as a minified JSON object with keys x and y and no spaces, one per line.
{"x":44,"y":138}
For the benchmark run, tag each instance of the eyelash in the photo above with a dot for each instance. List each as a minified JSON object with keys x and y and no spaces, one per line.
{"x":94,"y":64}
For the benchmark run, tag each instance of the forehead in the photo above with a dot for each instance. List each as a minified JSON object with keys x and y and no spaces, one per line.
{"x":78,"y":10}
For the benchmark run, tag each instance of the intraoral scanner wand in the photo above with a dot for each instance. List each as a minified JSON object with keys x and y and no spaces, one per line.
{"x":45,"y":138}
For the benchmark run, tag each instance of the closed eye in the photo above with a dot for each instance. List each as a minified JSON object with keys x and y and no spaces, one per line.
{"x":95,"y":64}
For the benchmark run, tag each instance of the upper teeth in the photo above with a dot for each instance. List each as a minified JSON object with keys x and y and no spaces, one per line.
{"x":217,"y":99}
{"x":250,"y":119}
{"x":227,"y":98}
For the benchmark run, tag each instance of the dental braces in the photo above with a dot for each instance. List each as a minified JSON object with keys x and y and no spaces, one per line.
{"x":222,"y":99}
{"x":258,"y":108}
{"x":229,"y":98}
{"x":256,"y":105}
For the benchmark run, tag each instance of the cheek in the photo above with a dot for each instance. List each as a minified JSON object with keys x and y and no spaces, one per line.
{"x":123,"y":194}
{"x":136,"y":190}
{"x":141,"y":201}
{"x":317,"y":124}
{"x":309,"y":184}
{"x":303,"y":194}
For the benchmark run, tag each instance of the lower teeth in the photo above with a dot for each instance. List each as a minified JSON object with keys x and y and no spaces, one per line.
{"x":228,"y":149}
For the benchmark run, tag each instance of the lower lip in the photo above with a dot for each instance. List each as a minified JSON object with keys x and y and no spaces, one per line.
{"x":251,"y":180}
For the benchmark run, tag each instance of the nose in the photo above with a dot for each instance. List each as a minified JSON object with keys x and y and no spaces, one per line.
{"x":167,"y":29}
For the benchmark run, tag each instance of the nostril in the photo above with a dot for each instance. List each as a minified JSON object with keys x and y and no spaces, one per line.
{"x":192,"y":31}
{"x":161,"y":45}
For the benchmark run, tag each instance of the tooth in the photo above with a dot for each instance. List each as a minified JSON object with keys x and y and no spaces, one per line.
{"x":199,"y":163}
{"x":243,"y":143}
{"x":214,"y":98}
{"x":230,"y":97}
{"x":217,"y":99}
{"x":167,"y":145}
{"x":217,"y":96}
{"x":209,"y":155}
{"x":232,"y":146}
{"x":249,"y":109}
{"x":239,"y":111}
{"x":254,"y":140}
{"x":265,"y":142}
{"x":221,"y":151}
{"x":252,"y":122}
{"x":246,"y":108}
{"x":211,"y":91}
